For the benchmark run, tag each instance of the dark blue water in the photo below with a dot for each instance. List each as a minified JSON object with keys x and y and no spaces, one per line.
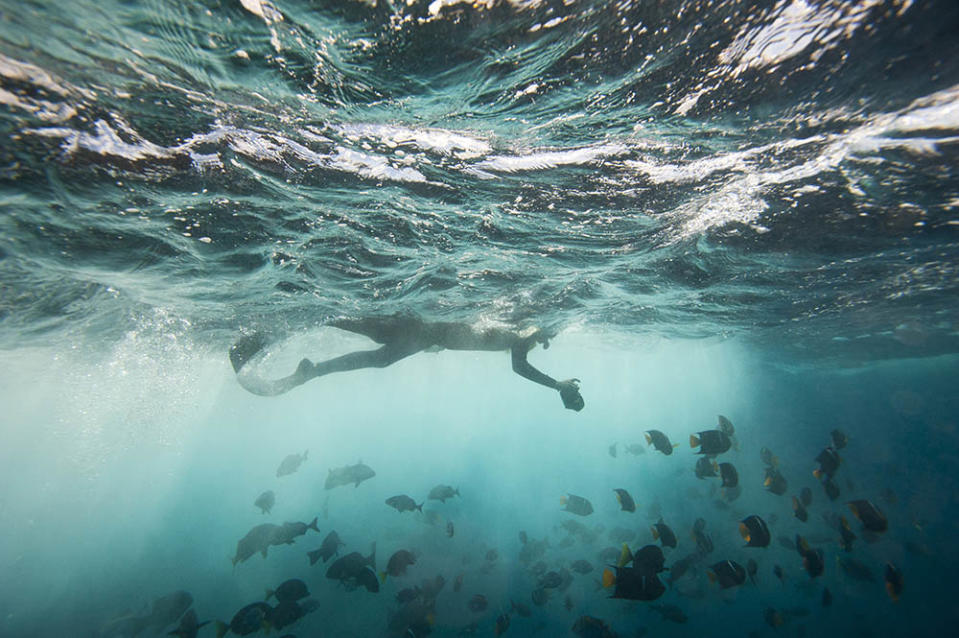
{"x":737,"y":208}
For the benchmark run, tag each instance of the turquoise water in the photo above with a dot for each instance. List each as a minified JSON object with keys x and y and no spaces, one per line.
{"x":746,"y":209}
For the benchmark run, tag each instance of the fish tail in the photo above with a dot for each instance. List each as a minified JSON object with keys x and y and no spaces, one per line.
{"x":817,"y":473}
{"x":382,"y":577}
{"x":305,"y":452}
{"x":563,"y":500}
{"x":609,"y":578}
{"x":711,"y":575}
{"x":693,"y":440}
{"x":372,"y":558}
{"x":420,"y":506}
{"x":649,"y":439}
{"x":655,"y":533}
{"x":456,"y":491}
{"x":269,"y":594}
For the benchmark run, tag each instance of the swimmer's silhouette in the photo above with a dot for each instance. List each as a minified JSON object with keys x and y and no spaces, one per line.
{"x":400,"y":337}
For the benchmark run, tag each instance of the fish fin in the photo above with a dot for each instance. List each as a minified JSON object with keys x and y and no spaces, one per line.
{"x":693,"y":440}
{"x":609,"y":578}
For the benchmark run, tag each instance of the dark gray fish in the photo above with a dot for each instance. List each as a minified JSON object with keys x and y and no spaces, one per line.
{"x":286,"y":613}
{"x":288,"y":590}
{"x":477,"y":603}
{"x":754,"y":531}
{"x":710,"y":442}
{"x":633,"y":583}
{"x":829,"y":461}
{"x":188,"y":627}
{"x":626,"y":502}
{"x":871,"y":517}
{"x":248,"y":620}
{"x":726,"y":426}
{"x":664,"y":533}
{"x":443,"y":492}
{"x":775,"y":482}
{"x":582,"y":566}
{"x":347,"y":474}
{"x":291,"y":464}
{"x":397,"y":564}
{"x":704,"y":543}
{"x":355,"y":569}
{"x":449,"y":528}
{"x":576,"y":505}
{"x":286,"y":533}
{"x":727,"y":573}
{"x":729,"y":475}
{"x":329,"y":547}
{"x":403,"y":503}
{"x":832,"y":490}
{"x":660,"y":441}
{"x":800,"y":510}
{"x":805,"y":495}
{"x":706,"y":467}
{"x":767,"y":457}
{"x":592,"y":627}
{"x":256,"y":540}
{"x":612,"y":450}
{"x":265,"y":501}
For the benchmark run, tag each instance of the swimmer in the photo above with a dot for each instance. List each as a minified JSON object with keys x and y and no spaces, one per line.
{"x":401,"y":336}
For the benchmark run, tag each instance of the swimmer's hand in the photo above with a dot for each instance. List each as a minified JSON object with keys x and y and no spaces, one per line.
{"x":569,"y":393}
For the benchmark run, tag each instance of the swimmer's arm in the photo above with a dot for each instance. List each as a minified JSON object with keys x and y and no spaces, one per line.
{"x":568,"y":389}
{"x":524,"y":368}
